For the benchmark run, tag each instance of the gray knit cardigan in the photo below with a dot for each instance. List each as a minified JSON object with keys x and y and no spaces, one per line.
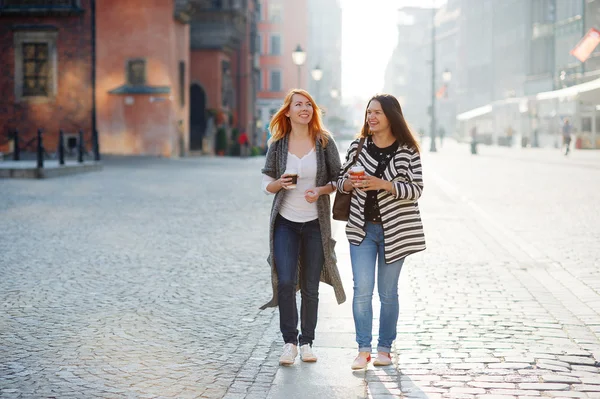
{"x":274,"y":167}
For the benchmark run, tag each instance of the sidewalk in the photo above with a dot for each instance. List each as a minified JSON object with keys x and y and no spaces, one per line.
{"x":483,"y":315}
{"x":587,"y":158}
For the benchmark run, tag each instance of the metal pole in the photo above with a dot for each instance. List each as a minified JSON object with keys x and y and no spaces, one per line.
{"x":96,"y":145}
{"x":80,"y":147}
{"x":16,"y":144}
{"x":61,"y":147}
{"x":432,"y":147}
{"x":40,"y":149}
{"x":299,"y":76}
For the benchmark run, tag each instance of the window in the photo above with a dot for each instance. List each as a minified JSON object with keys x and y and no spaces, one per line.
{"x":35,"y":69}
{"x":275,"y":80}
{"x":259,"y":83}
{"x":259,"y":11}
{"x":259,"y":46}
{"x":181,"y":84}
{"x":35,"y":65}
{"x":275,"y":12}
{"x":275,"y":45}
{"x":40,"y":7}
{"x":136,"y":72}
{"x":217,"y":3}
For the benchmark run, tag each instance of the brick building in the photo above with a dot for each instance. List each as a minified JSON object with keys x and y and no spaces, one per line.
{"x":142,"y":66}
{"x":282,"y":27}
{"x":151,"y":76}
{"x":223,"y":70}
{"x":46,"y":59}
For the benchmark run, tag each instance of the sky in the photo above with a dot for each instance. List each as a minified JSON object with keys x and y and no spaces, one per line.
{"x":369,"y":36}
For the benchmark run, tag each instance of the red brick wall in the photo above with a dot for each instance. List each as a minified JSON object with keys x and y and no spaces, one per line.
{"x":71,"y":110}
{"x":205,"y":69}
{"x":140,"y":29}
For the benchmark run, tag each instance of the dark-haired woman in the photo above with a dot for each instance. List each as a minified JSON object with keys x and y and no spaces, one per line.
{"x":384,"y":224}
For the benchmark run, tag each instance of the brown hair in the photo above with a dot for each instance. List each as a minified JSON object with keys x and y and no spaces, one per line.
{"x":281,"y":125}
{"x":393,"y":112}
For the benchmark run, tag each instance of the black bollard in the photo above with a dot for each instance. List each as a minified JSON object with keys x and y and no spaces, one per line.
{"x":80,"y":147}
{"x":95,"y":145}
{"x":40,"y":149}
{"x":16,"y":144}
{"x":61,"y":147}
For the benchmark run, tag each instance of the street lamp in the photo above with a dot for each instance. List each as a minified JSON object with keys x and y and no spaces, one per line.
{"x":334,"y":93}
{"x":299,"y":57}
{"x":317,"y":75}
{"x":447,"y":76}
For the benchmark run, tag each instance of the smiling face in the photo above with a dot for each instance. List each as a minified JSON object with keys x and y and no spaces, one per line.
{"x":376,"y":119}
{"x":301,"y":110}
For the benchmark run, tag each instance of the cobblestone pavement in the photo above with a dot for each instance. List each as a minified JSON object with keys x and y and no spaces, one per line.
{"x":144,"y":281}
{"x":141,"y":281}
{"x":505,"y":302}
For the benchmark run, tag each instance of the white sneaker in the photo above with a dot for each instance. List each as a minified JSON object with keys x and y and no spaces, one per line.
{"x":290,"y":351}
{"x":306,"y":354}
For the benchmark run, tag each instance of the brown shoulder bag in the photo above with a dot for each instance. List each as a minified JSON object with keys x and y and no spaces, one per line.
{"x":341,"y":203}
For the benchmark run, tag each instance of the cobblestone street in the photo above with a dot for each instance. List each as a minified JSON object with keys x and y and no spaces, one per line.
{"x":144,"y":281}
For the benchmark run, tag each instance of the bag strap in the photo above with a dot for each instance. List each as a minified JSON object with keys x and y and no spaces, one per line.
{"x":360,"y":146}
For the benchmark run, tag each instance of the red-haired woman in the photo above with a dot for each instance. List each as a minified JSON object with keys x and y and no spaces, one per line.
{"x":384,"y":224}
{"x":301,"y":247}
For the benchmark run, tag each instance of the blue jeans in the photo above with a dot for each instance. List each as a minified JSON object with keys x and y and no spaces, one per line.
{"x":294,"y":241}
{"x":364,"y":258}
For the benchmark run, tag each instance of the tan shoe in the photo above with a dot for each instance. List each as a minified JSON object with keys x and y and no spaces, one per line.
{"x":306,"y":354}
{"x":360,"y":362}
{"x":290,"y":351}
{"x":382,"y":359}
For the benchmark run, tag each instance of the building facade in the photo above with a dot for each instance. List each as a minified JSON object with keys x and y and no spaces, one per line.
{"x":530,"y":98}
{"x":223,"y":73}
{"x":142,"y":69}
{"x":282,"y":27}
{"x":446,"y":49}
{"x":156,"y":77}
{"x":324,"y":51}
{"x":46,"y":53}
{"x":408,"y":73}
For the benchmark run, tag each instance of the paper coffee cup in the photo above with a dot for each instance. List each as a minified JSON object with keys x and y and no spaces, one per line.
{"x":357,"y":170}
{"x":293,"y":173}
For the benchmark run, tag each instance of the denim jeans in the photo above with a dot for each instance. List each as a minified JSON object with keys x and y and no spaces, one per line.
{"x":293,"y":241}
{"x":364,"y":258}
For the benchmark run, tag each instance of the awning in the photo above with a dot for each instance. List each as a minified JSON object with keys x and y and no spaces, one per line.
{"x":570,"y":91}
{"x":474,"y":113}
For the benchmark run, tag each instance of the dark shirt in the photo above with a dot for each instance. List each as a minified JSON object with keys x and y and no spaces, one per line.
{"x":383,"y":157}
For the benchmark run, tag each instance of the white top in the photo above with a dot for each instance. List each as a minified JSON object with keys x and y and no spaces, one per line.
{"x":294,"y":206}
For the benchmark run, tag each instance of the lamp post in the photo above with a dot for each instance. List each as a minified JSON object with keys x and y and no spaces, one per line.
{"x":446,"y":77}
{"x":432,"y":147}
{"x":317,"y":75}
{"x":299,"y":57}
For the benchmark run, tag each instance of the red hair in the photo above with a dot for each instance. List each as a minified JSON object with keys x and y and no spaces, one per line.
{"x":281,"y":125}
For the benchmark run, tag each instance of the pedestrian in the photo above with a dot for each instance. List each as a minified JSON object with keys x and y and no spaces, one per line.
{"x":384,"y":224}
{"x":474,"y":140}
{"x":243,"y":142}
{"x":300,"y":157}
{"x":566,"y":131}
{"x":442,"y":134}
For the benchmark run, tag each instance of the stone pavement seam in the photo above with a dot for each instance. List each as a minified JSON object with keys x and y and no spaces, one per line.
{"x":256,"y":375}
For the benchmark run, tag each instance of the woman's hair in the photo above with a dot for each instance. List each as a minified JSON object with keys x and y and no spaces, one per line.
{"x":281,"y":125}
{"x":393,"y":112}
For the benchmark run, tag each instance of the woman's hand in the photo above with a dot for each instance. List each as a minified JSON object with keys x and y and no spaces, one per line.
{"x":312,"y":194}
{"x":284,"y":181}
{"x":368,"y":183}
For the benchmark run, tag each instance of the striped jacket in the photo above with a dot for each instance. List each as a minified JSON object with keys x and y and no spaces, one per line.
{"x":400,"y":216}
